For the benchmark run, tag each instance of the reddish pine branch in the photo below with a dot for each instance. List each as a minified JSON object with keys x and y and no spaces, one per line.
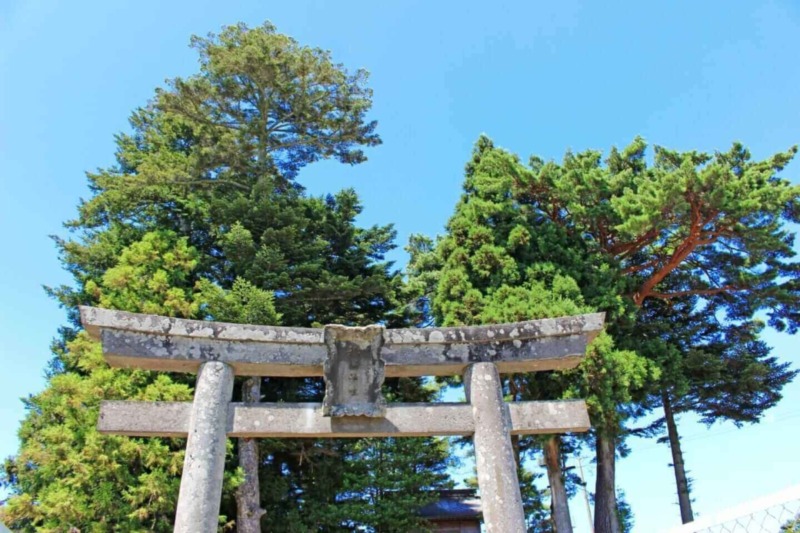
{"x":696,"y":292}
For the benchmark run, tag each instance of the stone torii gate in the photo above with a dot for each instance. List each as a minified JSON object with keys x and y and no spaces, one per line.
{"x":354,"y":362}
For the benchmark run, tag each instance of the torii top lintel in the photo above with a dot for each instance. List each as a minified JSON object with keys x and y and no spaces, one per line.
{"x":155,"y":342}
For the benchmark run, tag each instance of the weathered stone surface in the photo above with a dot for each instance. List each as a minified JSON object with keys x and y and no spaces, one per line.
{"x":169,"y":344}
{"x":530,"y":329}
{"x":354,"y":372}
{"x":527,"y":355}
{"x":494,"y":454}
{"x":128,"y":349}
{"x":279,"y":420}
{"x":204,"y":465}
{"x":557,"y":416}
{"x":145,"y":419}
{"x":94,"y":319}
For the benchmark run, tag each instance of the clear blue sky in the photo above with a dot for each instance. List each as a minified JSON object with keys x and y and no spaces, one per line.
{"x":538,"y":77}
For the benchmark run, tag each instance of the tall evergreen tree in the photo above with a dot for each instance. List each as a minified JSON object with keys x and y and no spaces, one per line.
{"x":717,"y":369}
{"x":210,"y":168}
{"x":690,"y":225}
{"x":493,"y":265}
{"x":67,"y":475}
{"x":637,"y":240}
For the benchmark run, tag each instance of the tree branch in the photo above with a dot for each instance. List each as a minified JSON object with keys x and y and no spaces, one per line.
{"x":682,"y":251}
{"x":212,"y":182}
{"x":696,"y":292}
{"x":623,"y":249}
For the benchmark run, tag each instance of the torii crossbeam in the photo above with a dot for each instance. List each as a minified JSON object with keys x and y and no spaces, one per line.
{"x":354,"y":362}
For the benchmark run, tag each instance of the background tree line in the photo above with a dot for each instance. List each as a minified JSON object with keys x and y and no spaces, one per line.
{"x":204,"y":216}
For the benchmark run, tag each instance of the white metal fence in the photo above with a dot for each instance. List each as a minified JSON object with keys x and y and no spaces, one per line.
{"x":775,"y":513}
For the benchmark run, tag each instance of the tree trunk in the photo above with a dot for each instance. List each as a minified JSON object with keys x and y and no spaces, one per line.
{"x":515,"y":446}
{"x":248,"y":495}
{"x":558,"y":491}
{"x":605,"y":505}
{"x":682,"y":482}
{"x":515,"y":396}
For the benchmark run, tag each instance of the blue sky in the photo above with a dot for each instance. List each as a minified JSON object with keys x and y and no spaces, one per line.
{"x":538,"y":77}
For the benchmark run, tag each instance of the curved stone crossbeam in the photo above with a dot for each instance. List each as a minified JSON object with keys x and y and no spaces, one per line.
{"x":171,"y":344}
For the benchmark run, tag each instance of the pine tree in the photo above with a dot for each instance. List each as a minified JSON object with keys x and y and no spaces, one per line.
{"x":636,"y":241}
{"x":692,"y":224}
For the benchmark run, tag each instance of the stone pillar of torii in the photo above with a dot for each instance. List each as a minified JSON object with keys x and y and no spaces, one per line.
{"x":354,"y":362}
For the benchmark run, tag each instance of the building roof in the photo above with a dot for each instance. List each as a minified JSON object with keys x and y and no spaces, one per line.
{"x":456,"y":504}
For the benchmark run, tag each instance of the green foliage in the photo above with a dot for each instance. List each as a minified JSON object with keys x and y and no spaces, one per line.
{"x":607,"y":379}
{"x":202,"y":217}
{"x":792,"y":526}
{"x":322,"y":267}
{"x":698,"y":243}
{"x":499,"y":263}
{"x":537,"y":513}
{"x":399,"y":484}
{"x":719,"y":369}
{"x":690,"y":224}
{"x":680,"y":255}
{"x":244,"y":303}
{"x":67,"y":474}
{"x":624,"y":513}
{"x":422,"y":276}
{"x":313,"y":108}
{"x":81,"y":478}
{"x":152,"y":276}
{"x":345,"y":485}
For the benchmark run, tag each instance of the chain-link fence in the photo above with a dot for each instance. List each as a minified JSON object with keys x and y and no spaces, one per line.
{"x":776,"y":513}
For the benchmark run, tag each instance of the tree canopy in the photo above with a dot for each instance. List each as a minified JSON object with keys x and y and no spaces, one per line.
{"x":203,"y":216}
{"x":684,"y":255}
